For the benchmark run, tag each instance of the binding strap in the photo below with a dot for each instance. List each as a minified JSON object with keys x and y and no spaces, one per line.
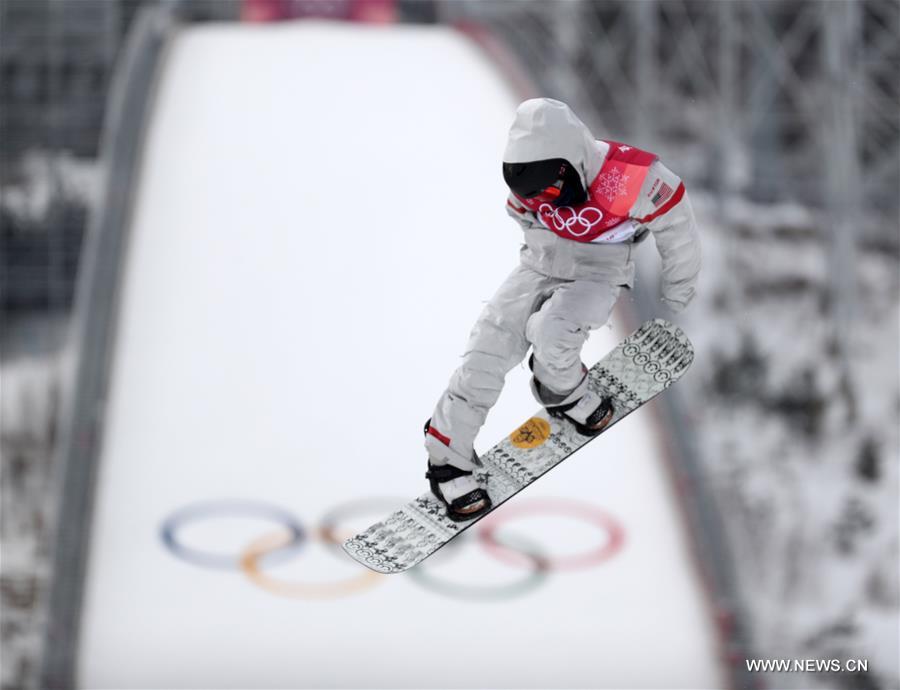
{"x":444,"y":473}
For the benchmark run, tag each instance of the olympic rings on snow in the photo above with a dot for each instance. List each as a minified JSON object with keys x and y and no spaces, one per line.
{"x":614,"y":531}
{"x":286,"y":542}
{"x":311,"y":590}
{"x":363,"y":506}
{"x":210,"y":509}
{"x":534,"y":579}
{"x":326,"y":534}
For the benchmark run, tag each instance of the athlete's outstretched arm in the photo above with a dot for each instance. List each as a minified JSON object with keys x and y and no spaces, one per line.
{"x":664,"y":208}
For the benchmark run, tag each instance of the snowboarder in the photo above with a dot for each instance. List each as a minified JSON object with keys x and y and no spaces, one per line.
{"x":582,"y":204}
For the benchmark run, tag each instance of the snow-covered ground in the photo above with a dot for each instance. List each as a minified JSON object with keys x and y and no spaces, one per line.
{"x":804,"y":463}
{"x":319,"y":222}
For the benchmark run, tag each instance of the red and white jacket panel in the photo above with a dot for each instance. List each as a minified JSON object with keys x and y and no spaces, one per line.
{"x":632,"y":194}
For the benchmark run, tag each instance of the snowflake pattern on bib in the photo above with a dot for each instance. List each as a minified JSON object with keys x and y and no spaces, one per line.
{"x":611,"y":184}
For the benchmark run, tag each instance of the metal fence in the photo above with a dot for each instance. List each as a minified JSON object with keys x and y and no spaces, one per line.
{"x":776,"y":99}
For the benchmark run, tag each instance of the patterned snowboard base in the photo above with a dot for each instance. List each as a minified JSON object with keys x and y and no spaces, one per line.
{"x":643,"y":365}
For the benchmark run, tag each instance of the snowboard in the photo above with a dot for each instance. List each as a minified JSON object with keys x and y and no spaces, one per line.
{"x":643,"y":365}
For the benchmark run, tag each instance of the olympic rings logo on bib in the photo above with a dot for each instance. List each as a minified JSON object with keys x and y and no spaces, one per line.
{"x":567,"y":219}
{"x":289,"y":538}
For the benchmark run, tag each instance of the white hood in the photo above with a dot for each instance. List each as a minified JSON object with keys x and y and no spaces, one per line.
{"x":545,"y":128}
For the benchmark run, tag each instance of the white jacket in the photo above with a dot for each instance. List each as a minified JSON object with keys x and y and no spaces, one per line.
{"x":544,"y":128}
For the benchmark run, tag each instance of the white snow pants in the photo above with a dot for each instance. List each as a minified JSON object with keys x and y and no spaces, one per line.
{"x":553,"y":316}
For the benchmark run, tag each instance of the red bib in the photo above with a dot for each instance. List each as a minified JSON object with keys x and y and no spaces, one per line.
{"x":604,"y":216}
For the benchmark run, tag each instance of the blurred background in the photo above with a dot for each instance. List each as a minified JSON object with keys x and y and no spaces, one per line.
{"x":779,"y":450}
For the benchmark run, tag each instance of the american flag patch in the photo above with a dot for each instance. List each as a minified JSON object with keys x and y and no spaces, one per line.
{"x":662,"y":194}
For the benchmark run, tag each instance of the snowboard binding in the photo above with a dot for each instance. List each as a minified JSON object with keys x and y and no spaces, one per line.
{"x":589,"y":412}
{"x":595,"y":422}
{"x":470,"y":505}
{"x":466,"y":507}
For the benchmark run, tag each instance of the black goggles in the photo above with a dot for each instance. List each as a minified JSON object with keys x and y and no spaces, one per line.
{"x":539,"y":180}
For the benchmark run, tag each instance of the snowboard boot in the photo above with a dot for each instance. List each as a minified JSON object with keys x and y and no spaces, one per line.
{"x":590,"y":412}
{"x":458,"y":489}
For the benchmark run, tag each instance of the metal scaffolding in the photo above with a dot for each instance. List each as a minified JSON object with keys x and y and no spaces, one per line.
{"x":733,"y":81}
